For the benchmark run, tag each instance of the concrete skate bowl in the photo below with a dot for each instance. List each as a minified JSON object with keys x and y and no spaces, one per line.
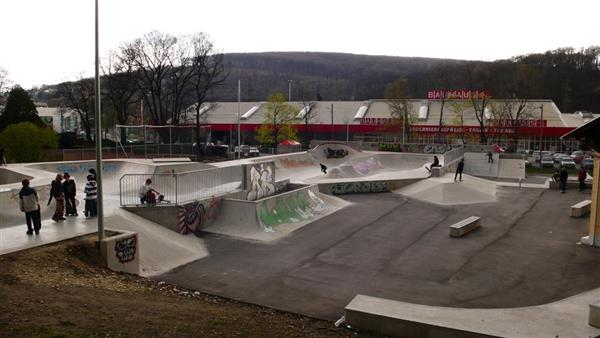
{"x":445,"y":191}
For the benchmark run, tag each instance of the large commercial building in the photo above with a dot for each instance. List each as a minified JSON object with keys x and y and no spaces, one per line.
{"x":371,"y":120}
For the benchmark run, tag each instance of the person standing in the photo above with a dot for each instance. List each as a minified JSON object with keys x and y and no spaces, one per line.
{"x":459,"y":169}
{"x":70,"y":190}
{"x":564,"y":175}
{"x":581,"y":176}
{"x":91,"y":198}
{"x":59,"y":196}
{"x":2,"y":157}
{"x":29,"y":204}
{"x":490,"y":156}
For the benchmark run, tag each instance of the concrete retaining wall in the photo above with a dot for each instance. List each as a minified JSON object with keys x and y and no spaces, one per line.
{"x":121,"y":251}
{"x":364,"y":187}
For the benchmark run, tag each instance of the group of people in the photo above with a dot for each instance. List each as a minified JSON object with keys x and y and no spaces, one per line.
{"x":63,"y":190}
{"x":561,"y":176}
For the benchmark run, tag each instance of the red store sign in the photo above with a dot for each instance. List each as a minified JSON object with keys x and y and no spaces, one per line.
{"x":461,"y":94}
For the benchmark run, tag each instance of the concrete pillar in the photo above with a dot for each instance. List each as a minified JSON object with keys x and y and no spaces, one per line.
{"x":594,"y":227}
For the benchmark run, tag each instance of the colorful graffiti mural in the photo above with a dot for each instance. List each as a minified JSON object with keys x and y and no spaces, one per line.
{"x":193,"y":216}
{"x":365,"y":167}
{"x":394,"y":147}
{"x":126,"y":248}
{"x":359,"y":187}
{"x":291,"y":208}
{"x":262,"y":181}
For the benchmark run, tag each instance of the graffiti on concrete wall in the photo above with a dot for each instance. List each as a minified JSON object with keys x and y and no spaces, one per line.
{"x":436,"y":148}
{"x":193,"y":216}
{"x":365,"y":167}
{"x":359,"y":187}
{"x":126,"y":248}
{"x":335,"y":153}
{"x":85,"y":167}
{"x":395,"y":147}
{"x":291,"y":208}
{"x":262,"y":181}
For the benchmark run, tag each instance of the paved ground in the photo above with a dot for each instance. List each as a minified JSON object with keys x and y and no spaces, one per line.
{"x":389,"y":246}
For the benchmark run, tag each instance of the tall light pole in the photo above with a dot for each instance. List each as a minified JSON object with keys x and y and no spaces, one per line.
{"x":541,"y":130}
{"x":238,"y":118}
{"x":289,"y":90}
{"x":98,"y":136}
{"x":332,"y":121}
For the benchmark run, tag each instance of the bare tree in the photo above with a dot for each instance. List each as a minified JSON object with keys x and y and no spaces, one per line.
{"x":153,"y":55}
{"x":121,"y":78}
{"x":441,"y":73}
{"x":80,"y":97}
{"x":308,"y":114}
{"x":4,"y":81}
{"x":207,"y":73}
{"x":401,"y":110}
{"x":479,"y":77}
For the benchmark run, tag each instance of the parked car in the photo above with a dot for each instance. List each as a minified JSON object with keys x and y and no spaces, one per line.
{"x":577,"y":156}
{"x":558,"y":156}
{"x":547,"y":162}
{"x":587,"y":163}
{"x":567,"y":162}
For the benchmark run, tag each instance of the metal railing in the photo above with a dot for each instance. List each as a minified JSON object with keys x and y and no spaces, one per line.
{"x":179,"y":188}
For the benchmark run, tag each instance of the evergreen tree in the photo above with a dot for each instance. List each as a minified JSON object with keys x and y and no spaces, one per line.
{"x":19,"y":108}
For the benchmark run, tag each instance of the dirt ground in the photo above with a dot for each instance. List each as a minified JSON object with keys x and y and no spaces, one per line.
{"x":61,"y":290}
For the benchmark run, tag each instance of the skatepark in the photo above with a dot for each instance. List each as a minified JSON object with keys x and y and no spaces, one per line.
{"x":279,"y":232}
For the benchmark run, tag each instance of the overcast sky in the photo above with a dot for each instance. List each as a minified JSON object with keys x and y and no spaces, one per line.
{"x":45,"y":42}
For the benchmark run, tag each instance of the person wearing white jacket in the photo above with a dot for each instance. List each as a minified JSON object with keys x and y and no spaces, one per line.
{"x":29,"y":204}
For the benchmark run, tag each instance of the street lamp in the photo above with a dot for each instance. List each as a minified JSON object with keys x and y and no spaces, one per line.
{"x":98,"y":137}
{"x":541,"y":130}
{"x":289,"y":90}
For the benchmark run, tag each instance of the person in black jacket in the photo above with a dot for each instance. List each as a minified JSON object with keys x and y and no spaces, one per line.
{"x":564,"y":175}
{"x":459,"y":169}
{"x":58,"y":194}
{"x":70,"y":190}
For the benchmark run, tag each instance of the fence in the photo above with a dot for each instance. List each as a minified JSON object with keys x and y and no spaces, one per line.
{"x":179,"y":188}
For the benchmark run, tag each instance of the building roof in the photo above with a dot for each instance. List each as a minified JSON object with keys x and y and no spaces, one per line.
{"x":359,"y":112}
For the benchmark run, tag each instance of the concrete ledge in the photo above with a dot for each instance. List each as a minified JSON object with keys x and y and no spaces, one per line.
{"x":581,"y":209}
{"x":464,"y":227}
{"x":383,"y":316}
{"x":121,"y":251}
{"x":171,"y":160}
{"x":594,"y":319}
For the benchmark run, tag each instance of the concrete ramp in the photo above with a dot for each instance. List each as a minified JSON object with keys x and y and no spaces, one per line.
{"x":274,"y":217}
{"x":445,"y":191}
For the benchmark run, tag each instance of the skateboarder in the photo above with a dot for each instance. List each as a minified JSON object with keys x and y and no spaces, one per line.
{"x":323,"y":168}
{"x":436,"y":163}
{"x":459,"y":169}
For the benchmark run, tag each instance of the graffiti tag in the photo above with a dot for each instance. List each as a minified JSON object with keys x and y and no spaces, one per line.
{"x":335,"y":153}
{"x":262,"y":181}
{"x":125,"y":249}
{"x":359,"y":187}
{"x":193,"y":216}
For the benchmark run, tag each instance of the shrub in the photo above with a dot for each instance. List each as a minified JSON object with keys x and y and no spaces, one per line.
{"x":26,"y":142}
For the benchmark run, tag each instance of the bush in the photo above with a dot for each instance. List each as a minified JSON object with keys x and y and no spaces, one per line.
{"x":26,"y":142}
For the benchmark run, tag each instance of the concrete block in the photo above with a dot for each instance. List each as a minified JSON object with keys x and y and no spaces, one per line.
{"x":594,"y":318}
{"x":464,"y":227}
{"x":121,"y":251}
{"x":581,"y":209}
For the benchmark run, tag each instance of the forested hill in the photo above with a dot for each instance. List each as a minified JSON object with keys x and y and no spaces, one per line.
{"x":328,"y":76}
{"x":570,"y":77}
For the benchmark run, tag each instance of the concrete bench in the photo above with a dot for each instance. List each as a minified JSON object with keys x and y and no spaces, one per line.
{"x":581,"y":209}
{"x":464,"y":227}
